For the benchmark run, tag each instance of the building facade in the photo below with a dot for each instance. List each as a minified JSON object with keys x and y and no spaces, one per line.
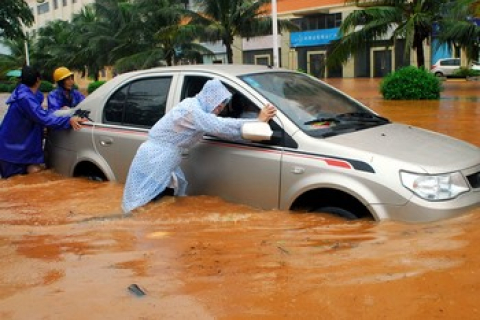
{"x":305,"y":50}
{"x":48,"y":10}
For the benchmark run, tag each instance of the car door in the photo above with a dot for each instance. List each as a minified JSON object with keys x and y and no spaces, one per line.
{"x":450,"y":66}
{"x":128,"y":114}
{"x":242,"y":171}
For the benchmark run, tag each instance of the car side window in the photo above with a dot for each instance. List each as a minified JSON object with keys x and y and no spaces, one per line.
{"x":113,"y":111}
{"x":240,"y":107}
{"x":140,"y":103}
{"x":193,"y":85}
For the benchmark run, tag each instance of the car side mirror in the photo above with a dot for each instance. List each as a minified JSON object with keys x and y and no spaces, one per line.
{"x":256,"y":131}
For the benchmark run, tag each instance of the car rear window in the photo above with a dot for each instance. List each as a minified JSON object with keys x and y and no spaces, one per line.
{"x":140,"y":103}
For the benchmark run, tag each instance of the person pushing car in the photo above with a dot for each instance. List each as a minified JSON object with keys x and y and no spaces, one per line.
{"x":65,"y":96}
{"x":156,"y":165}
{"x":21,"y":131}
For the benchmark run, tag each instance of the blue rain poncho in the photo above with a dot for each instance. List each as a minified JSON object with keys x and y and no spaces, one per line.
{"x":160,"y":155}
{"x":21,"y":131}
{"x":58,"y":98}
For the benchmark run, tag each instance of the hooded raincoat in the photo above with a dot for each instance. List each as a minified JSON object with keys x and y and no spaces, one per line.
{"x":21,"y":131}
{"x":58,"y":98}
{"x":160,"y":155}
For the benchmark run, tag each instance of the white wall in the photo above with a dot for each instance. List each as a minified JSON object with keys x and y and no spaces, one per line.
{"x":60,"y":13}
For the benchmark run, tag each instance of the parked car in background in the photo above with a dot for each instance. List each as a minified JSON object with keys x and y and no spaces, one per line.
{"x":328,"y":152}
{"x":448,"y":66}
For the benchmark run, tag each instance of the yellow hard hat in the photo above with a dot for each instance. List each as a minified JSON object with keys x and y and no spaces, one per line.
{"x":61,"y":73}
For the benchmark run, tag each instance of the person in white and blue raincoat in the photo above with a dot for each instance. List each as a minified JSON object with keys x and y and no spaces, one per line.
{"x":156,"y":165}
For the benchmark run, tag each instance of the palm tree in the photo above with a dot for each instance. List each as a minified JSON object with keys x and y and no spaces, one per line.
{"x":411,"y":20}
{"x":178,"y":40}
{"x":117,"y":32}
{"x":147,"y":33}
{"x":16,"y":58}
{"x":164,"y":33}
{"x":13,"y":15}
{"x":458,"y":29}
{"x":92,"y":38}
{"x":53,"y":46}
{"x":222,"y":20}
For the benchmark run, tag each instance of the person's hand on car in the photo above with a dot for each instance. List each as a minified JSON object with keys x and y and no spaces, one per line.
{"x":76,"y":122}
{"x":267,"y":113}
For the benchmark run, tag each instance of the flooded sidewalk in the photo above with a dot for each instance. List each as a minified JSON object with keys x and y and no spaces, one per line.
{"x":456,"y":113}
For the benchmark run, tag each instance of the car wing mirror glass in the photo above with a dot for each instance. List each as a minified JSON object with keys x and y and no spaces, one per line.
{"x":256,"y":131}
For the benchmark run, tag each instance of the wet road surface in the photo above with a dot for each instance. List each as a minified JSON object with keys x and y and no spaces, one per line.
{"x":203,"y":258}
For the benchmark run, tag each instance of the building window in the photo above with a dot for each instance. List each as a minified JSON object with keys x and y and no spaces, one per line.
{"x":43,"y":8}
{"x":319,"y":21}
{"x":64,"y":3}
{"x":74,"y":1}
{"x":55,"y":4}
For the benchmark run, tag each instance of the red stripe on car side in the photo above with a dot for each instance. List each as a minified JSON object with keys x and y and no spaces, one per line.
{"x":328,"y":161}
{"x":140,"y":133}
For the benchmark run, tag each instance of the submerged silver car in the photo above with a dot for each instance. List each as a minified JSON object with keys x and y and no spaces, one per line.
{"x":328,"y":152}
{"x":447,"y":67}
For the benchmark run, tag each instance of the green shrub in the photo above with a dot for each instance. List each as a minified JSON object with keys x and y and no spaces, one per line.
{"x":466,"y":72}
{"x":7,"y":86}
{"x":94,"y":86}
{"x":410,"y":83}
{"x":46,"y":86}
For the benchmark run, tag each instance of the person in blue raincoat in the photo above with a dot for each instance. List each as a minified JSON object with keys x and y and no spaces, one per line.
{"x":156,"y":165}
{"x":21,"y":131}
{"x":65,"y":96}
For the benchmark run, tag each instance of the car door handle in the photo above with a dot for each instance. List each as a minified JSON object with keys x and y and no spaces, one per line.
{"x":106,"y":142}
{"x":297,"y":170}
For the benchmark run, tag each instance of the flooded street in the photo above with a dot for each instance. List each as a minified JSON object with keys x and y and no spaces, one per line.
{"x":66,"y":253}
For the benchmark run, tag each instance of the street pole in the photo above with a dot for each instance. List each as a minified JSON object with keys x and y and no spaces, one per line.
{"x":27,"y":54}
{"x":275,"y":33}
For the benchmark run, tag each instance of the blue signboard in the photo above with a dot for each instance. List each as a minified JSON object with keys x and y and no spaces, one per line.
{"x":436,"y":27}
{"x":440,"y":51}
{"x":313,"y":38}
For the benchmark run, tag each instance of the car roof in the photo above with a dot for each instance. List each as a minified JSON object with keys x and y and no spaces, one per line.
{"x":234,"y":70}
{"x":231,"y":69}
{"x":445,"y":59}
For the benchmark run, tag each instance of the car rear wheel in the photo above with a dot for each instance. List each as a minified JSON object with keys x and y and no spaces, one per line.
{"x":439,"y":74}
{"x":89,"y":171}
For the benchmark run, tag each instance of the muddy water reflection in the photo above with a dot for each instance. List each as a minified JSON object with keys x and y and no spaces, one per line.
{"x":203,"y":258}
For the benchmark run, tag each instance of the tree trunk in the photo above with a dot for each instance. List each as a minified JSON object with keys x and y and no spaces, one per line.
{"x":228,"y":47}
{"x":229,"y":53}
{"x":418,"y":44}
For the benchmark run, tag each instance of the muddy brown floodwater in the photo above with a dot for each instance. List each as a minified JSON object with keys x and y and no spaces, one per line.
{"x":203,"y":258}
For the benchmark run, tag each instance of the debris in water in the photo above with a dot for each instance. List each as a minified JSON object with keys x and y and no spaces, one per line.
{"x":136,"y":290}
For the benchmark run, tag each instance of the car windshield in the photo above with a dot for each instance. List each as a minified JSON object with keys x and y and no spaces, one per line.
{"x":316,"y":108}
